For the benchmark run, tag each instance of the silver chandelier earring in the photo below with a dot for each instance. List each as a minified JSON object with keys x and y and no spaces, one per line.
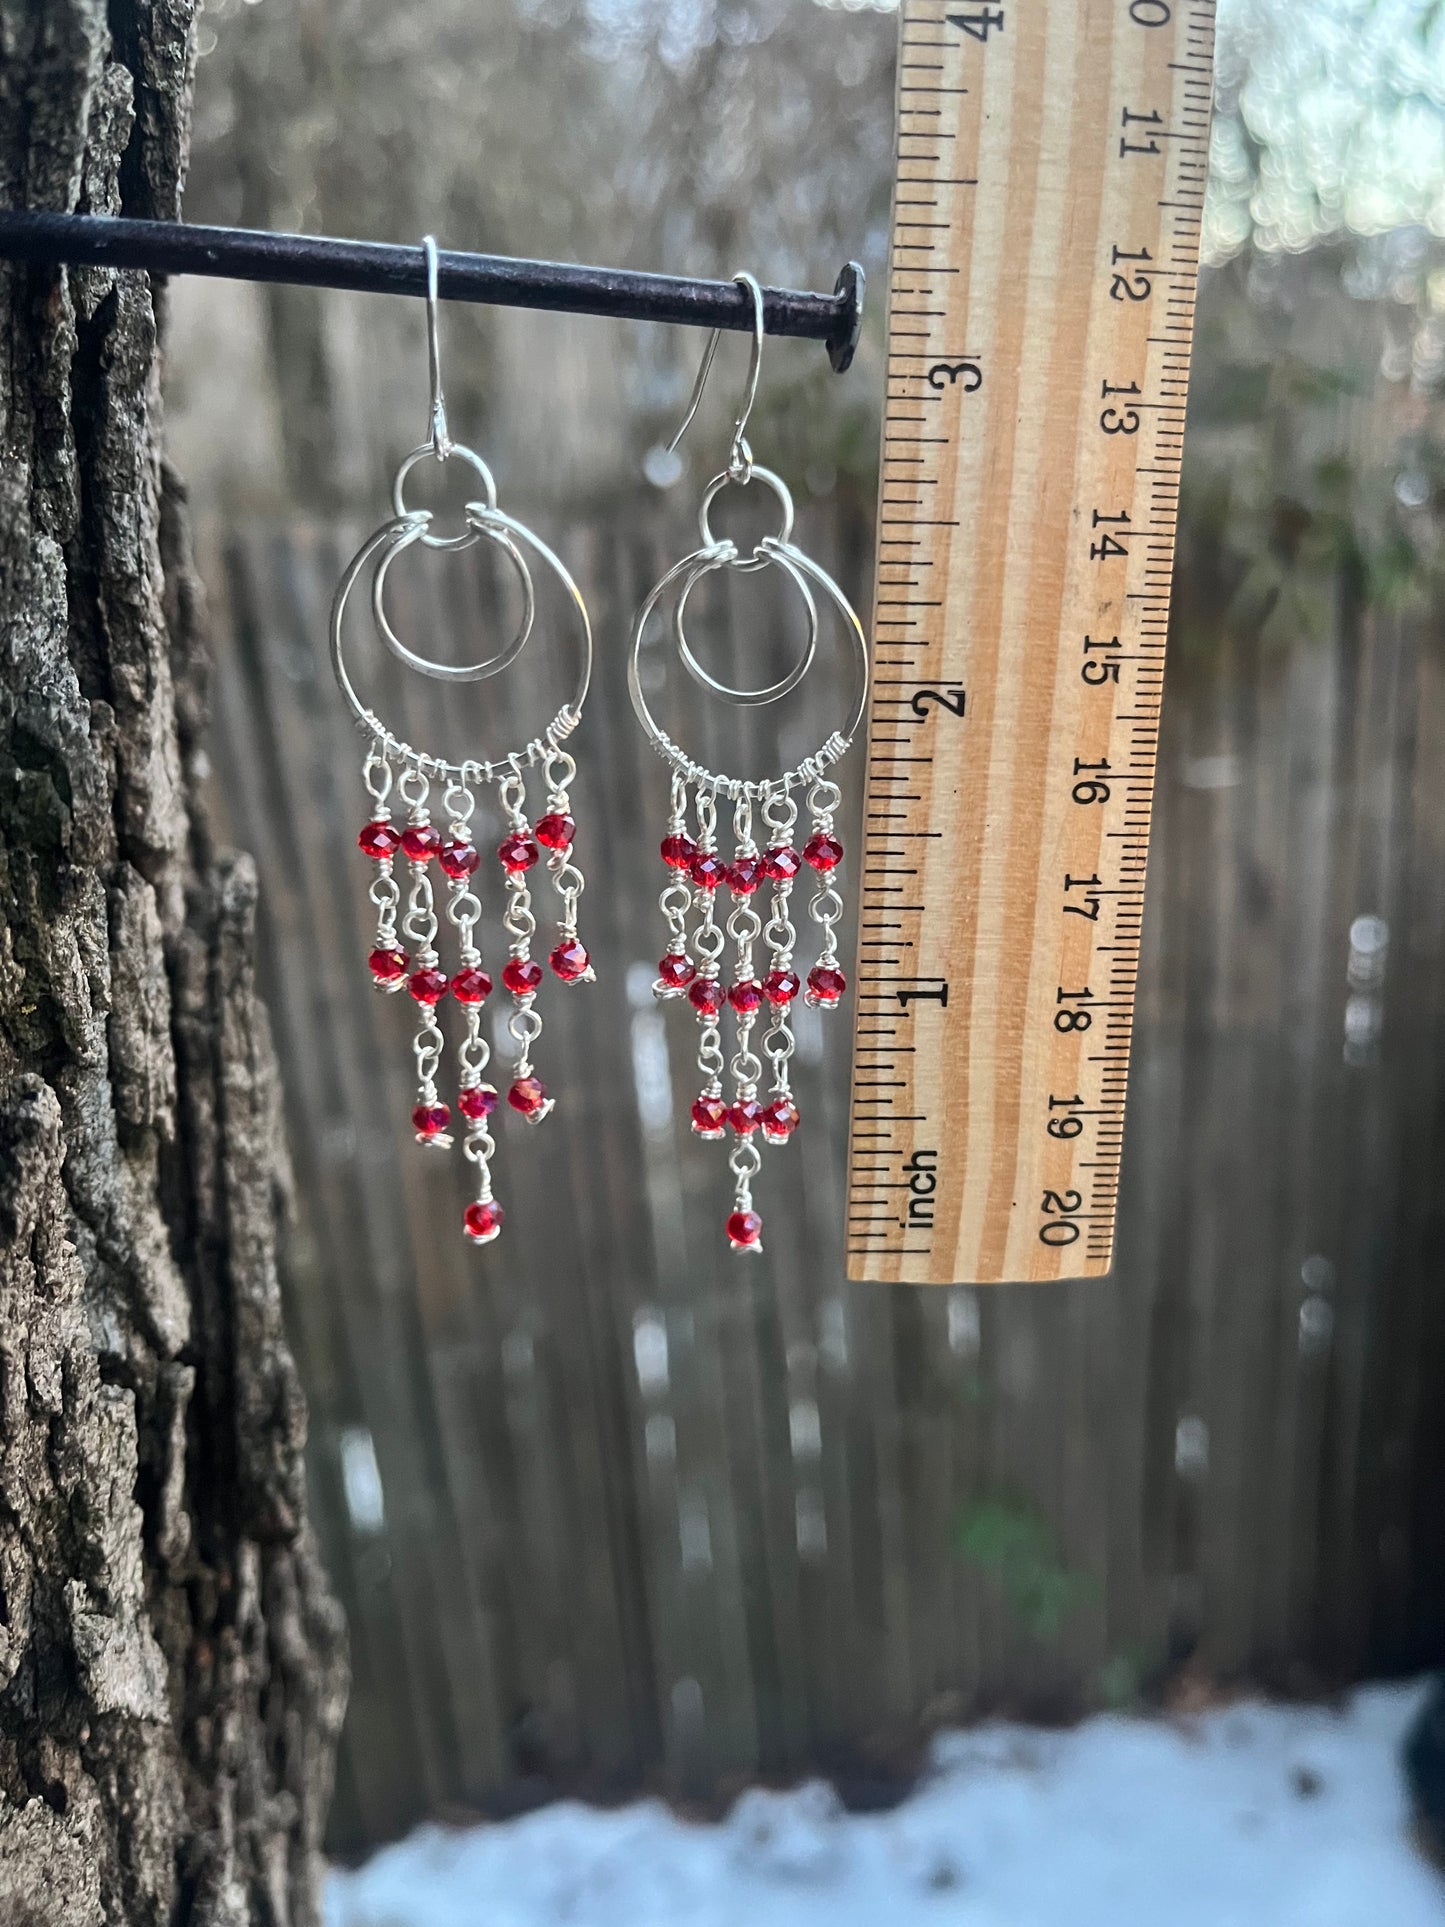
{"x":764,"y":812}
{"x":407,"y":956}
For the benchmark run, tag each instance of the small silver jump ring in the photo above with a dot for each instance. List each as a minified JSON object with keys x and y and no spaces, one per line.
{"x":426,"y":452}
{"x":744,"y":697}
{"x":755,"y":474}
{"x":479,"y":526}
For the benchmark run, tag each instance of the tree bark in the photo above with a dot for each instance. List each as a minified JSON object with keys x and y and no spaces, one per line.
{"x":172,"y":1668}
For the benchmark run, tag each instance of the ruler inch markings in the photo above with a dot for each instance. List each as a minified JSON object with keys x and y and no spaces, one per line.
{"x":1047,"y":214}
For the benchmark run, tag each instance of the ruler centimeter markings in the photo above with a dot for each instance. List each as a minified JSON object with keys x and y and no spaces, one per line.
{"x":1051,"y":165}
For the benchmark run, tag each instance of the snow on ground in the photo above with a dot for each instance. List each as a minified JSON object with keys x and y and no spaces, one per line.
{"x":1251,"y":1816}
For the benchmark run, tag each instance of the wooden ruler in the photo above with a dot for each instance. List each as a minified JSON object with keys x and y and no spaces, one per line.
{"x":1052,"y":157}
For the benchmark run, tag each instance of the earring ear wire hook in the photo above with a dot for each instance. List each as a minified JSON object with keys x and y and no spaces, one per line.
{"x":740,"y":456}
{"x":441,"y":441}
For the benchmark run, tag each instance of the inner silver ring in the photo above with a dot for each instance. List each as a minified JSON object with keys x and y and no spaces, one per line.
{"x":427,"y":453}
{"x":744,"y":697}
{"x":480,"y":524}
{"x":676,"y":757}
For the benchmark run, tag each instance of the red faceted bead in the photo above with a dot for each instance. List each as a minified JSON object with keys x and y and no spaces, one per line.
{"x":570,"y":961}
{"x":430,"y":1120}
{"x":521,"y":974}
{"x":678,"y":851}
{"x":477,"y":1101}
{"x":745,"y":996}
{"x":745,"y":1114}
{"x":826,"y":983}
{"x":427,"y":985}
{"x":380,"y":839}
{"x":742,"y":875}
{"x":823,"y":852}
{"x":745,"y":1231}
{"x":517,"y":852}
{"x":471,"y":985}
{"x":780,"y":1120}
{"x":556,"y":829}
{"x":781,"y":986}
{"x":709,"y":1115}
{"x":782,"y":863}
{"x":459,"y":859}
{"x":482,"y":1221}
{"x":388,"y":966}
{"x":421,"y":841}
{"x":529,"y":1096}
{"x":706,"y":870}
{"x":706,"y":995}
{"x":676,"y":971}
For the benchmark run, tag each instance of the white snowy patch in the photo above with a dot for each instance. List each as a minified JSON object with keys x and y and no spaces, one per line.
{"x":1252,"y":1816}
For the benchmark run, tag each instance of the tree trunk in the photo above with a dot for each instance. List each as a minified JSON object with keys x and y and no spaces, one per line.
{"x":171,"y":1663}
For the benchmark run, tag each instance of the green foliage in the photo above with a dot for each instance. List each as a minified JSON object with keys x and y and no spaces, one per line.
{"x":1314,"y":456}
{"x":1014,"y":1544}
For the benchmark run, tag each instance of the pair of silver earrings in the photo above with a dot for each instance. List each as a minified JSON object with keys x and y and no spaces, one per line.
{"x":770,"y":851}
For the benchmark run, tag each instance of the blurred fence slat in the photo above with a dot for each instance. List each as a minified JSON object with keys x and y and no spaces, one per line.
{"x":652,"y":1516}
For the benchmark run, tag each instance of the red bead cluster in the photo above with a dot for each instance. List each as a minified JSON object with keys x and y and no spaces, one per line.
{"x":391,"y":967}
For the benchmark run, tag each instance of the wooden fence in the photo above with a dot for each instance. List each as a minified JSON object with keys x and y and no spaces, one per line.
{"x":609,"y":1507}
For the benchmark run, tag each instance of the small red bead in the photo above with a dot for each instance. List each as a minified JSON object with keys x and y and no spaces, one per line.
{"x":745,"y":1231}
{"x":823,"y":852}
{"x":709,"y":1116}
{"x":388,"y":966}
{"x":521,"y":974}
{"x":528,"y":1095}
{"x":745,"y":1114}
{"x":482,"y":1222}
{"x":746,"y":996}
{"x":781,"y":986}
{"x":421,"y":841}
{"x":477,"y":1101}
{"x":742,"y":875}
{"x":556,"y":829}
{"x":570,"y":961}
{"x":380,"y":839}
{"x":517,"y":852}
{"x":471,"y":985}
{"x":780,"y":1120}
{"x":706,"y":870}
{"x":428,"y":985}
{"x":678,"y":851}
{"x":430,"y":1120}
{"x":826,"y":983}
{"x":459,"y":859}
{"x":675,"y":970}
{"x":782,"y":863}
{"x":706,"y":994}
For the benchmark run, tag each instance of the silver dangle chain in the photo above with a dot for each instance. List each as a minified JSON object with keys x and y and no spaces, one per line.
{"x":826,"y":981}
{"x":387,"y":962}
{"x":569,"y":959}
{"x":518,"y":852}
{"x":428,"y":984}
{"x":781,"y":985}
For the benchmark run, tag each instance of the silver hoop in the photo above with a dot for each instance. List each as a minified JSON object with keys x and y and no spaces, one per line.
{"x":479,"y":526}
{"x":388,"y":536}
{"x":811,"y":768}
{"x":431,"y":452}
{"x":745,"y":698}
